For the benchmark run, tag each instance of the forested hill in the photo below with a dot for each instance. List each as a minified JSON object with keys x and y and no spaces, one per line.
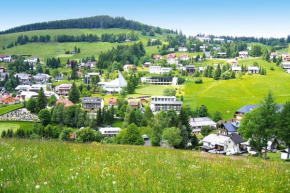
{"x":102,"y":21}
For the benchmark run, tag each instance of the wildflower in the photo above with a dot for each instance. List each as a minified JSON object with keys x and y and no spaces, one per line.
{"x":114,"y":182}
{"x":44,"y":183}
{"x":37,"y":186}
{"x":1,"y":169}
{"x":77,"y":174}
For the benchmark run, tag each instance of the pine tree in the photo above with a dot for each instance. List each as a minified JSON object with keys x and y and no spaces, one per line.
{"x":74,"y":94}
{"x":99,"y":118}
{"x":41,"y":101}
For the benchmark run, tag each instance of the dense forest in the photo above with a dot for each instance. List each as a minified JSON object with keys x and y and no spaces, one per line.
{"x":102,"y":21}
{"x":123,"y":54}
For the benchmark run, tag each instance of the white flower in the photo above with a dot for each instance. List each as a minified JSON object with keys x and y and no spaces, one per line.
{"x":1,"y":169}
{"x":44,"y":183}
{"x":77,"y":174}
{"x":37,"y":186}
{"x":114,"y":182}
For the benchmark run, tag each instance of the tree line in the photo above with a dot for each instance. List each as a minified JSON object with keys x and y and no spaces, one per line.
{"x":102,"y":21}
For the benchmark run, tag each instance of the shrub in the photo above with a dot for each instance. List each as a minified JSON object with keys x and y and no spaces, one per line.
{"x":281,"y":147}
{"x":272,"y":68}
{"x":44,"y":116}
{"x":198,"y":81}
{"x":65,"y":134}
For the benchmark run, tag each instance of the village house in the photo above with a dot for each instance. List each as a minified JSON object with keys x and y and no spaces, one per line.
{"x":218,"y":39}
{"x":172,"y":59}
{"x":7,"y":58}
{"x":201,"y":69}
{"x":89,"y":75}
{"x":229,"y":128}
{"x":236,"y":69}
{"x":182,"y":49}
{"x":159,"y":103}
{"x":160,"y":80}
{"x":233,"y":62}
{"x":184,"y":57}
{"x":239,"y":114}
{"x":171,"y":49}
{"x":109,"y":131}
{"x":285,"y":57}
{"x":190,"y":69}
{"x":41,"y":78}
{"x":198,"y":123}
{"x":115,"y":85}
{"x":66,"y":102}
{"x":221,"y":54}
{"x":253,"y":70}
{"x":32,"y":88}
{"x":286,"y":65}
{"x":243,"y":54}
{"x":222,"y":144}
{"x":157,"y":57}
{"x":7,"y":99}
{"x":274,"y":54}
{"x":203,"y":38}
{"x":31,"y":61}
{"x":147,"y":64}
{"x":129,"y":67}
{"x":135,"y":104}
{"x":63,"y":89}
{"x":207,"y":54}
{"x":112,"y":102}
{"x":3,"y":69}
{"x":92,"y":103}
{"x":159,"y":70}
{"x":22,"y":77}
{"x":284,"y":154}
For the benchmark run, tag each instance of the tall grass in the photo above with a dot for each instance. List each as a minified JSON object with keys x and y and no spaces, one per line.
{"x":33,"y":166}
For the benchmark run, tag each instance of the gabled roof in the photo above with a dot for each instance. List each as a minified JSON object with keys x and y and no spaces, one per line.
{"x":66,"y":102}
{"x":122,"y":81}
{"x":92,"y":100}
{"x":249,"y":108}
{"x":236,"y":138}
{"x":230,"y":127}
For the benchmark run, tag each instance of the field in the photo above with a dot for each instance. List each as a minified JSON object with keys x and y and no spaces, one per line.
{"x":5,"y":125}
{"x":229,"y":95}
{"x":54,"y":49}
{"x":9,"y":108}
{"x":68,"y":167}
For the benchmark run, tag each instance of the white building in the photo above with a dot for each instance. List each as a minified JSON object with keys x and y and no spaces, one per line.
{"x":253,"y":70}
{"x":33,"y":88}
{"x":182,"y":49}
{"x":31,"y":61}
{"x":236,"y":69}
{"x":160,"y":80}
{"x":127,"y":67}
{"x":203,"y":39}
{"x":184,"y":57}
{"x":172,"y":59}
{"x":115,"y":85}
{"x":198,"y":123}
{"x":7,"y":59}
{"x":109,"y":131}
{"x":243,"y":54}
{"x":159,"y":69}
{"x":218,"y":39}
{"x":165,"y":103}
{"x":286,"y":65}
{"x":221,"y":144}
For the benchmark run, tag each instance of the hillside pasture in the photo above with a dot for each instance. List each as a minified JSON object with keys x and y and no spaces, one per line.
{"x":227,"y":96}
{"x":50,"y":166}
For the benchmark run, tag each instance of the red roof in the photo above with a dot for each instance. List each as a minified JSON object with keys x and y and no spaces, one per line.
{"x":112,"y":100}
{"x":3,"y":67}
{"x":66,"y":102}
{"x":4,"y":97}
{"x":184,"y":56}
{"x":171,"y":56}
{"x":157,"y":56}
{"x":3,"y":56}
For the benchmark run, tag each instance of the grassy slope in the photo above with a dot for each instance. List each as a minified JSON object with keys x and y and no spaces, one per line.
{"x":55,"y":49}
{"x":5,"y":125}
{"x":9,"y":108}
{"x":57,"y":167}
{"x":230,"y":95}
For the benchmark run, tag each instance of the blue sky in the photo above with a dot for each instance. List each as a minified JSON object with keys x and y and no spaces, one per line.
{"x":218,"y":17}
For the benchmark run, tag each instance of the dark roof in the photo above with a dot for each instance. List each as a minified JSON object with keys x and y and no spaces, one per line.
{"x":249,"y":108}
{"x":92,"y":100}
{"x":231,"y":127}
{"x":27,"y":83}
{"x":236,"y":138}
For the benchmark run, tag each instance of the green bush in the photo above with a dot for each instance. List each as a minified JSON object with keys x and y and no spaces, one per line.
{"x":281,"y":147}
{"x":198,"y":81}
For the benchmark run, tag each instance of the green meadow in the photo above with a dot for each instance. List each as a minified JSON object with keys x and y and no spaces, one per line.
{"x":229,"y":95}
{"x":14,"y":125}
{"x":8,"y":108}
{"x":68,"y":167}
{"x":54,"y":49}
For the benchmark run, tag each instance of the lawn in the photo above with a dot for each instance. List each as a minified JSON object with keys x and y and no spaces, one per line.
{"x":229,"y":95}
{"x":14,"y":125}
{"x":54,"y":49}
{"x":51,"y":166}
{"x":9,"y":108}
